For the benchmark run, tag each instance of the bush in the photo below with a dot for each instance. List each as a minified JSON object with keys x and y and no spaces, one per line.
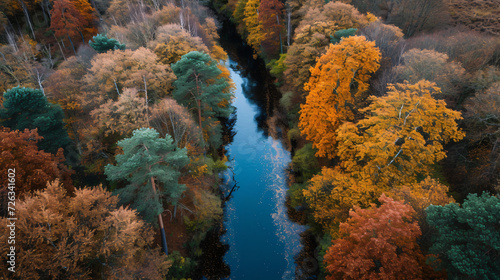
{"x":103,"y":44}
{"x":305,"y":163}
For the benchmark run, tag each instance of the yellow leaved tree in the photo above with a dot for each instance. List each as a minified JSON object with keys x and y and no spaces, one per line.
{"x":253,"y":25}
{"x":337,"y":82}
{"x":401,"y":137}
{"x":422,"y":194}
{"x":332,"y":193}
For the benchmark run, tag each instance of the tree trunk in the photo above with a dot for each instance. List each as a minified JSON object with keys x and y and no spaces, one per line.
{"x":199,"y":112}
{"x":11,"y":38}
{"x":281,"y":43}
{"x":146,"y":99}
{"x":288,"y":25}
{"x":25,"y":11}
{"x":83,"y":38}
{"x":60,"y":48}
{"x":201,"y":127}
{"x":72,"y":46}
{"x":160,"y":222}
{"x":44,"y":13}
{"x":163,"y":236}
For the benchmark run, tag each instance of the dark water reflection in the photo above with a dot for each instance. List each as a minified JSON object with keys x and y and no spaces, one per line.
{"x":257,"y":85}
{"x":262,"y":240}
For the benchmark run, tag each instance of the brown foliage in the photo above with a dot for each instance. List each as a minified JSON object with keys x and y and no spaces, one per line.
{"x":122,"y":116}
{"x":387,"y":37}
{"x":63,"y":87}
{"x":479,"y":15}
{"x":168,"y":117}
{"x":471,"y":48}
{"x":271,"y":16}
{"x":84,"y":236}
{"x":136,"y":34}
{"x":433,"y":66}
{"x":125,"y":11}
{"x":412,"y":16}
{"x":482,"y":121}
{"x":15,"y":65}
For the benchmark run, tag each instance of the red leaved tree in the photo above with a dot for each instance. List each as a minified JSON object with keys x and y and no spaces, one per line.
{"x":72,"y":20}
{"x":271,"y":16}
{"x":378,"y":243}
{"x":33,"y":167}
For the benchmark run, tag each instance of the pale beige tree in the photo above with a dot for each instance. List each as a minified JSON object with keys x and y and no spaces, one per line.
{"x":111,"y":72}
{"x":123,"y":116}
{"x":168,"y":117}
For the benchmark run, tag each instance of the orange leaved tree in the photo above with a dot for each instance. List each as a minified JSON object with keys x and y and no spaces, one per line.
{"x":339,"y":78}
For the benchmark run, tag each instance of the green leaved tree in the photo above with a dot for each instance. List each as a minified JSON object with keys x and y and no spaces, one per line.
{"x":201,"y":87}
{"x":468,"y":237}
{"x":28,"y":108}
{"x":103,"y":44}
{"x":151,"y":166}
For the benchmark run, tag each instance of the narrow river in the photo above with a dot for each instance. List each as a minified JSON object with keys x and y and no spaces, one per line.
{"x":262,"y":240}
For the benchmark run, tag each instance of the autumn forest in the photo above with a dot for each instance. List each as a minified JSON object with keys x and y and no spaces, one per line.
{"x":134,"y":136}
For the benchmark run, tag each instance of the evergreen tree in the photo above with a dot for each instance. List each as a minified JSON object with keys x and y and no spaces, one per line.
{"x":29,"y":108}
{"x":199,"y":86}
{"x":103,"y":44}
{"x":468,"y":237}
{"x":151,"y":165}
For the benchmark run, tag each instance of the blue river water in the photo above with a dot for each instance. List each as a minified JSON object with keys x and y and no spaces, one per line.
{"x":262,"y":240}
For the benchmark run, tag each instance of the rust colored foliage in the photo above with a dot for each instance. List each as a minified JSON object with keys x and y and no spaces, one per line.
{"x":338,"y":79}
{"x":271,"y":16}
{"x":33,"y":167}
{"x":72,"y":18}
{"x":378,"y":243}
